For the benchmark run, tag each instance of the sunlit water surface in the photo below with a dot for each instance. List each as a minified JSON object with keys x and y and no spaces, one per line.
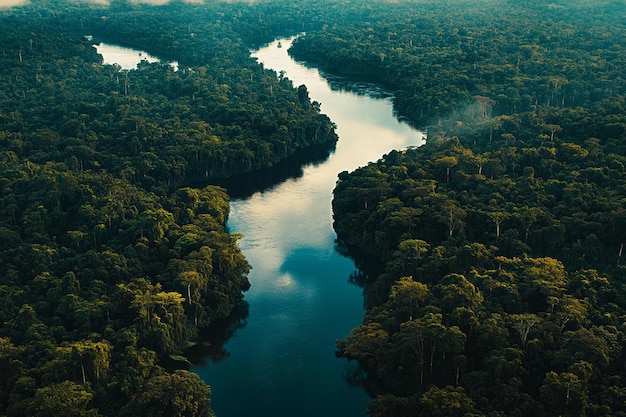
{"x":126,"y":58}
{"x":282,"y":362}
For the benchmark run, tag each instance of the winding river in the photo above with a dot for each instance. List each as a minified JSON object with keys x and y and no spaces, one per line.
{"x":279,"y":360}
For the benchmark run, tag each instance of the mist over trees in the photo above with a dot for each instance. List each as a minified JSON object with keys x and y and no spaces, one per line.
{"x":502,"y":237}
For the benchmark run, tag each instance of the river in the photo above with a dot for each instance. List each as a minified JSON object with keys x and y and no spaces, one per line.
{"x":126,"y":58}
{"x":280,"y":360}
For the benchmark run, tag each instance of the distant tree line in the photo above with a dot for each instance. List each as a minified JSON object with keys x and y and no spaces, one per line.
{"x":458,"y":60}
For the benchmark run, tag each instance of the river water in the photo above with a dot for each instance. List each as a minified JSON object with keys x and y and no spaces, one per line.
{"x":126,"y":58}
{"x":280,"y":359}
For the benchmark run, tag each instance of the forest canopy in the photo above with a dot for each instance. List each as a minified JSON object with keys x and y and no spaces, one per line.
{"x":112,"y":259}
{"x":502,"y":237}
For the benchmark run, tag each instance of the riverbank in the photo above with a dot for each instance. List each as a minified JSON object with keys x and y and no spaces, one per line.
{"x":302,"y":298}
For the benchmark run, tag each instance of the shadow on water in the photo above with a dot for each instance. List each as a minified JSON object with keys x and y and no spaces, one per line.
{"x":211,"y":340}
{"x":243,"y":186}
{"x":361,"y":84}
{"x":357,"y":377}
{"x":368,"y":267}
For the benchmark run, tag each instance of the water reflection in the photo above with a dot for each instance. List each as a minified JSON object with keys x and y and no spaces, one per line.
{"x":364,"y":86}
{"x":213,"y":339}
{"x":302,"y":298}
{"x":244,"y":186}
{"x":126,"y":58}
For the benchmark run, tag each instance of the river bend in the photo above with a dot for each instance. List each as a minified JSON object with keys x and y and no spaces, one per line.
{"x":280,"y":360}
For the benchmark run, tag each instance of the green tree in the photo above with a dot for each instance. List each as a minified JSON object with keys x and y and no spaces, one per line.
{"x":177,"y":394}
{"x":409,"y":254}
{"x":93,"y":357}
{"x":447,"y":402}
{"x":407,"y":296}
{"x":454,"y":290}
{"x":65,"y":399}
{"x":195,"y":284}
{"x":564,"y":394}
{"x":367,"y":343}
{"x":523,"y":324}
{"x":448,"y":162}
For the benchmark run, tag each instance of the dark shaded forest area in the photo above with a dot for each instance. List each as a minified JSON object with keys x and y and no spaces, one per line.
{"x":503,"y":236}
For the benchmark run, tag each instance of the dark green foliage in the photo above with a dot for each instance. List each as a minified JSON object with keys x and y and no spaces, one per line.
{"x":463,"y":60}
{"x":503,"y":236}
{"x":180,"y":394}
{"x":508,"y":220}
{"x":502,"y":259}
{"x":153,"y":126}
{"x":108,"y":262}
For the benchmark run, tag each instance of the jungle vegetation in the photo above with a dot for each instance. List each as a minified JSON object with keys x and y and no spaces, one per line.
{"x":502,"y":237}
{"x":111,"y":262}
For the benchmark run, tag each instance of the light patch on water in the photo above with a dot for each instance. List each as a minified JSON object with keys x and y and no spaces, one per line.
{"x":285,"y":281}
{"x":126,"y":58}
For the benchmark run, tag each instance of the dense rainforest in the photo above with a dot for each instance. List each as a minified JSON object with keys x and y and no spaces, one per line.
{"x":111,"y":259}
{"x":453,"y":59}
{"x":502,"y":237}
